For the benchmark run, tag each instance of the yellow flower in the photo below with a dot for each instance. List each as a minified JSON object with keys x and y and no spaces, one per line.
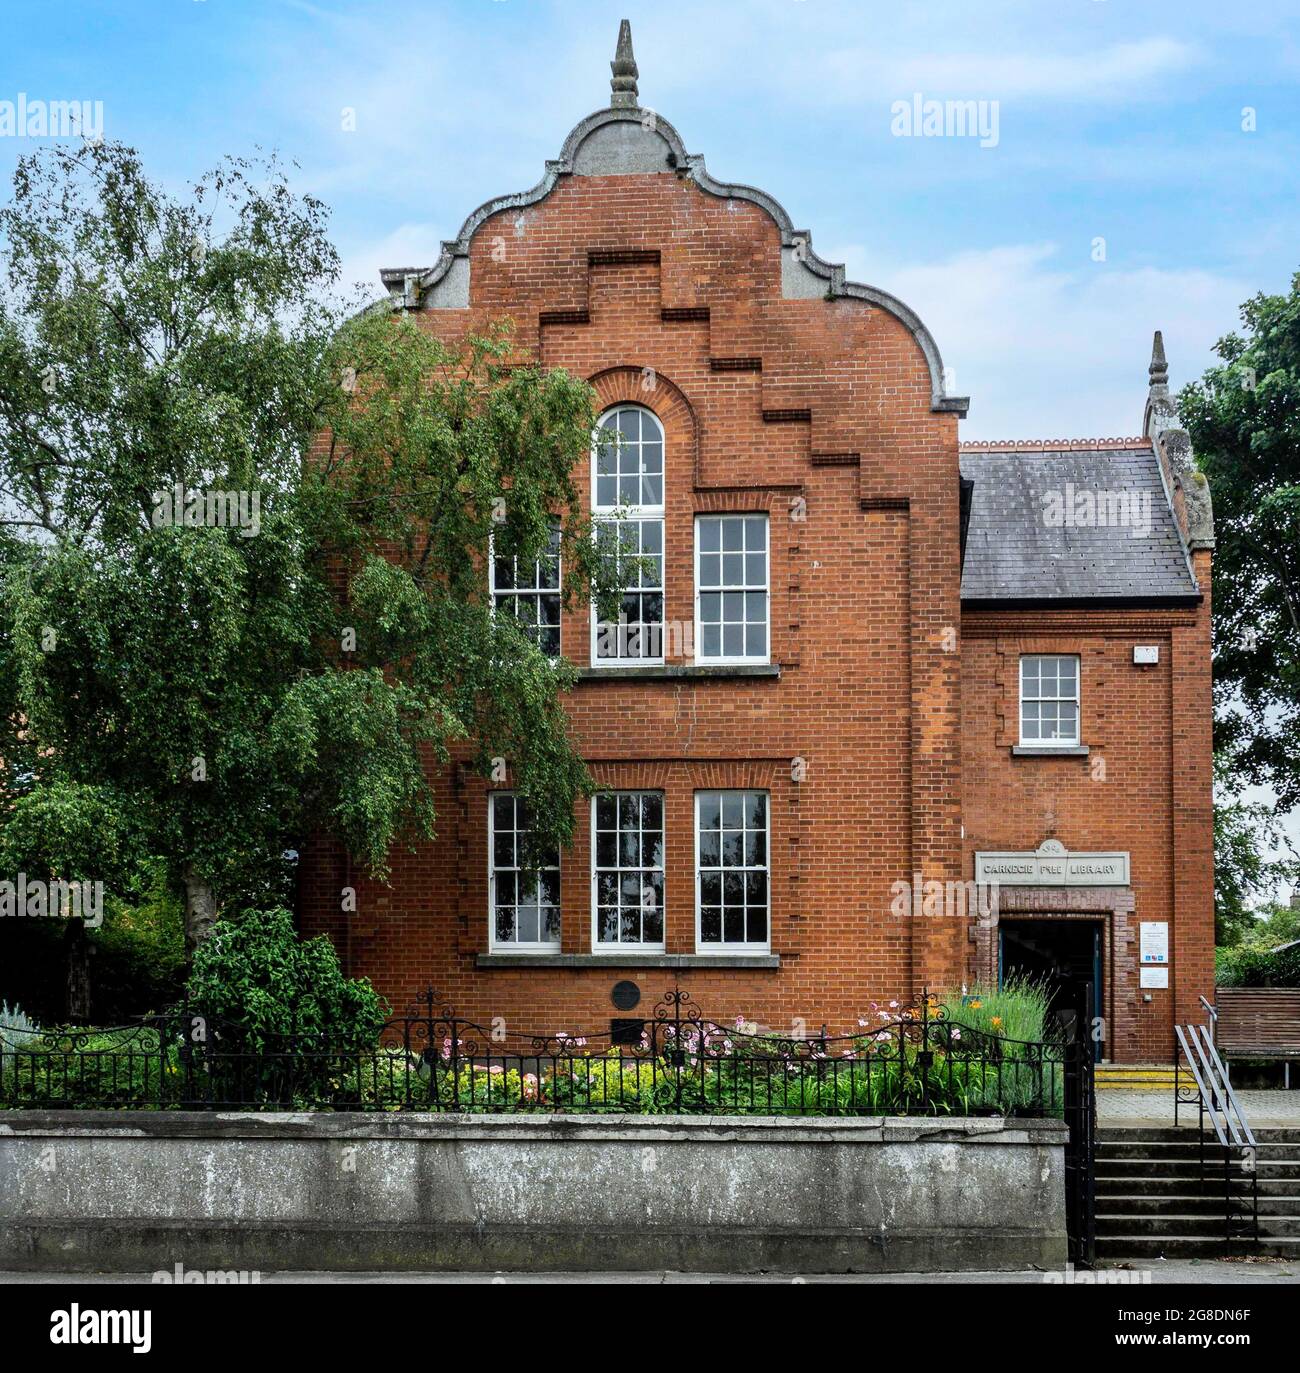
{"x":996,"y":1021}
{"x":975,"y":1005}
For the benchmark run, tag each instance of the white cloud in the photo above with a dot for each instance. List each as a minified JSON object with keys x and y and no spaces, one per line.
{"x":1047,"y":348}
{"x":1129,"y":69}
{"x":409,"y":245}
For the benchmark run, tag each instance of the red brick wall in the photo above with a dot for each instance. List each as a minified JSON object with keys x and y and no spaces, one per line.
{"x":1143,"y":788}
{"x":834,"y":407}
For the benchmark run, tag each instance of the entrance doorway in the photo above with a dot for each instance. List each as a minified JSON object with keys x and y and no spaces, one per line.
{"x":1064,"y":956}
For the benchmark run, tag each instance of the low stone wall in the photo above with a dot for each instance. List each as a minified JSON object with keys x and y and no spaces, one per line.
{"x":141,"y":1192}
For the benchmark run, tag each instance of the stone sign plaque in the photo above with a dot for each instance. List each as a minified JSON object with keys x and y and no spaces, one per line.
{"x":1051,"y":865}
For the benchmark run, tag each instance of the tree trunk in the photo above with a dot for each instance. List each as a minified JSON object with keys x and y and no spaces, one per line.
{"x":76,"y":951}
{"x":200,"y":908}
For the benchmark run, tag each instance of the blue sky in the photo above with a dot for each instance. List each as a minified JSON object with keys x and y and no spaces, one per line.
{"x":1116,"y":121}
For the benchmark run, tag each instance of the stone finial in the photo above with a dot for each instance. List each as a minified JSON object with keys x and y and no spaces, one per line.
{"x":1159,"y":369}
{"x":1159,"y":414}
{"x":623,"y":82}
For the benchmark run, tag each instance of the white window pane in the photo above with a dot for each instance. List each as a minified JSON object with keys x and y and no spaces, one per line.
{"x":732,"y":878}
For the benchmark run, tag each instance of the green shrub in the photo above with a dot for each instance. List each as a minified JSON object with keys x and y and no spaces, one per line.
{"x":1016,"y":1011}
{"x":279,"y":1022}
{"x":76,"y":1068}
{"x":1244,"y":966}
{"x":256,"y":976}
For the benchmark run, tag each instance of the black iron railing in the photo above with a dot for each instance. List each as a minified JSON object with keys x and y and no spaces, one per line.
{"x":913,"y":1060}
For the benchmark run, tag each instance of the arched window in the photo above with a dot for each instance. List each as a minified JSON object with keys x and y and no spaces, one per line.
{"x":627,"y":502}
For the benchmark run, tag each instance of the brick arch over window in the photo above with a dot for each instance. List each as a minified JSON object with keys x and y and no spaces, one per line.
{"x":626,"y":385}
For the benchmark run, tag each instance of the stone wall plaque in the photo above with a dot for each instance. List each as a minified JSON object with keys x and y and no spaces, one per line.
{"x":1052,"y":865}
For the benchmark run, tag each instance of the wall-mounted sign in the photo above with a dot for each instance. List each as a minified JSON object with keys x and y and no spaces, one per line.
{"x":1153,"y":942}
{"x":1052,"y":865}
{"x":1154,"y":977}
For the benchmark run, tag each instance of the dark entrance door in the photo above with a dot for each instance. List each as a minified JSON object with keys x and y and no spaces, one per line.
{"x":1062,"y":955}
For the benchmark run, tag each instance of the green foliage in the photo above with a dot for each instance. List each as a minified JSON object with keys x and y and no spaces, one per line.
{"x":138,"y":954}
{"x":266,"y":990}
{"x":1015,"y":1011}
{"x":1244,"y":874}
{"x":439,"y":457}
{"x":215,"y":695}
{"x":1244,"y":420}
{"x":1247,"y":966}
{"x":136,"y":957}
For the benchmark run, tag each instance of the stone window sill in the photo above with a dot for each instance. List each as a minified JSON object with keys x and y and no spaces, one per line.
{"x":1047,"y":751}
{"x":678,"y":672}
{"x":617,"y":962}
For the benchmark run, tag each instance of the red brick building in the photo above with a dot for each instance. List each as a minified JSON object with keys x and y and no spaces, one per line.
{"x":863,"y":658}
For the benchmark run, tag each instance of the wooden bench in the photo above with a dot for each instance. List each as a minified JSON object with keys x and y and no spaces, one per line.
{"x":1258,"y":1022}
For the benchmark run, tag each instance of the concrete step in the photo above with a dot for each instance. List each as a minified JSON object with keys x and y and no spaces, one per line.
{"x":1112,"y":1073}
{"x":1199,"y":1225}
{"x":1189,"y":1204}
{"x":1160,"y":1134}
{"x":1103,"y":1078}
{"x":1138,"y":1185}
{"x":1272,"y":1169}
{"x":1159,"y":1152}
{"x":1192,"y":1247}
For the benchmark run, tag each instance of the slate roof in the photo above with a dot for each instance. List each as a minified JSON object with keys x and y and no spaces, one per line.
{"x":1023,"y":544}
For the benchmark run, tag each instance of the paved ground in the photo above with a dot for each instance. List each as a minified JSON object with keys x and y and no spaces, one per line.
{"x":1122,"y":1106}
{"x":1209,"y":1271}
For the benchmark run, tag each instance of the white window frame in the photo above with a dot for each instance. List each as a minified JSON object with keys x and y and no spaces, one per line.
{"x":723,"y":659}
{"x":494,"y":591}
{"x":496,"y":945}
{"x":1077,"y":700}
{"x":619,"y":949}
{"x":621,"y":514}
{"x":721,"y":946}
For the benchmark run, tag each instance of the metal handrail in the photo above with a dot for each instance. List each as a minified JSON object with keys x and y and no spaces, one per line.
{"x":1230,"y":1095}
{"x":1208,"y":1099}
{"x":1216,"y":1097}
{"x":1210,"y":1009}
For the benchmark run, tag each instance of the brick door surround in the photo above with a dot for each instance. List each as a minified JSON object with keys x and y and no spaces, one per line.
{"x":1114,"y":907}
